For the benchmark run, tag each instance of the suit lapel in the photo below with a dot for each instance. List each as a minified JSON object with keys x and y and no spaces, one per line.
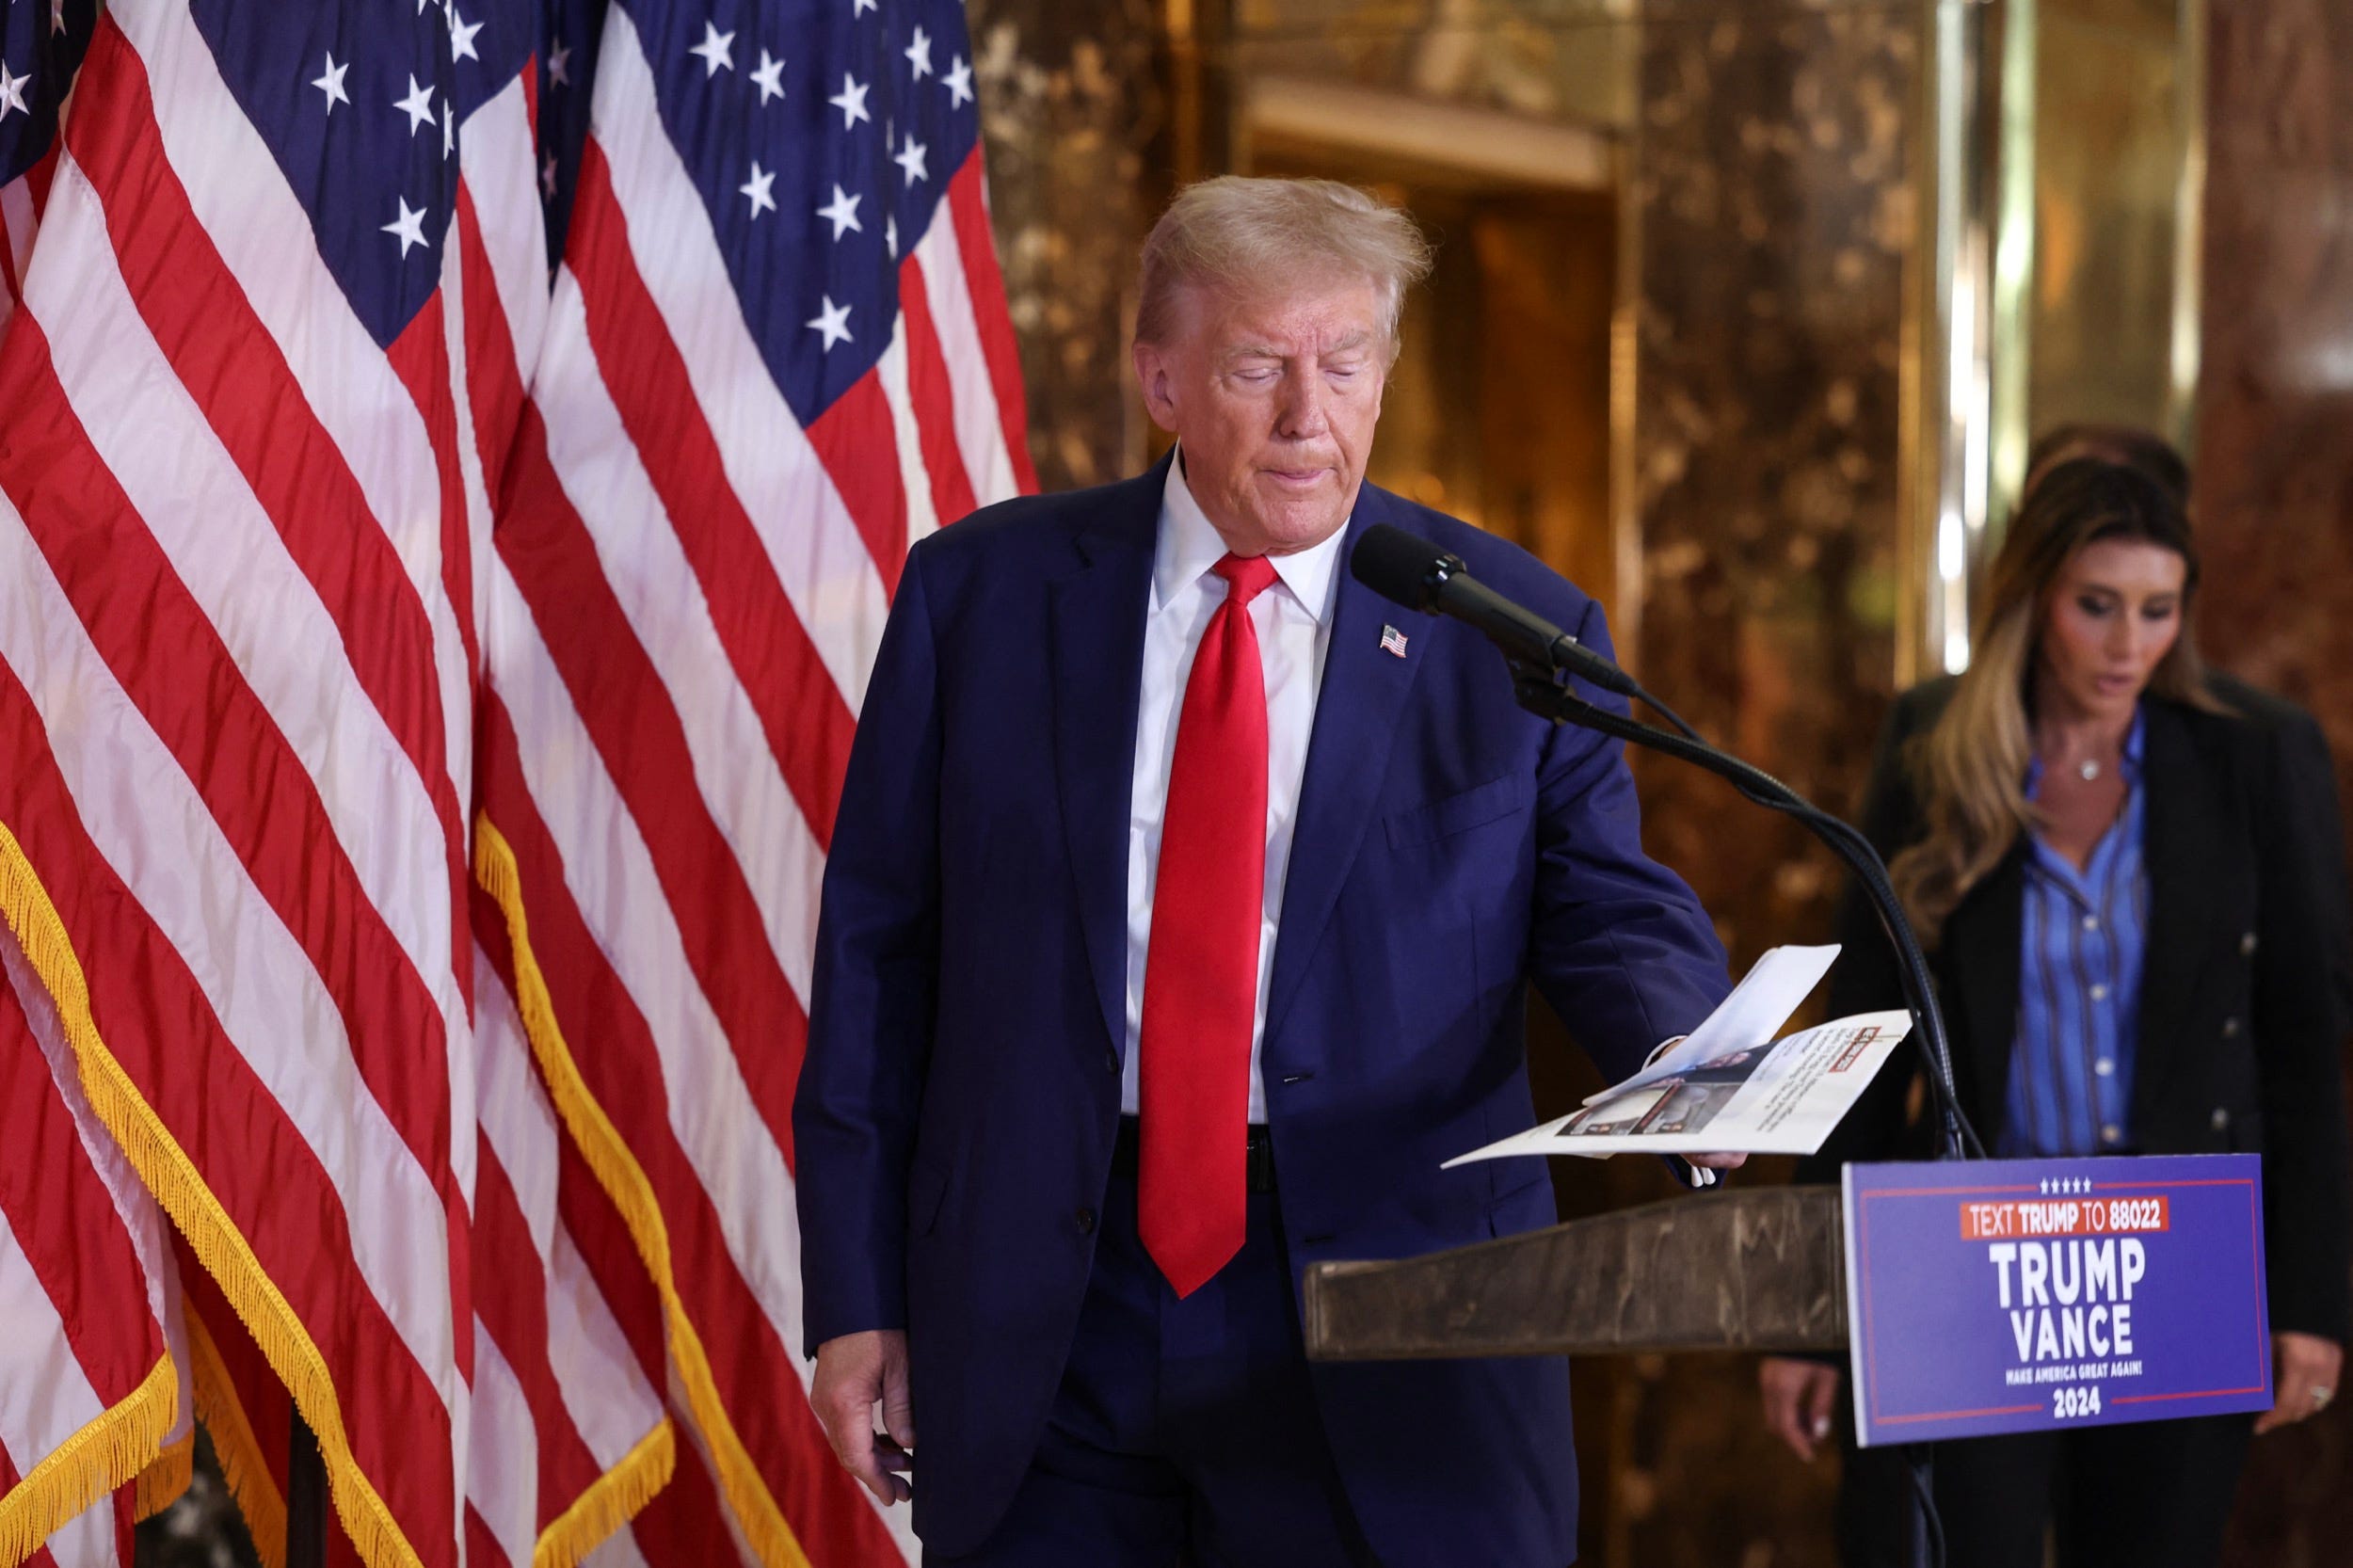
{"x":1096,"y":619}
{"x":2179,"y":853}
{"x":1981,"y":937}
{"x":1363,"y":693}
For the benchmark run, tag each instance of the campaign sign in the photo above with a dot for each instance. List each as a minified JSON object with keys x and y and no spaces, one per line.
{"x":2023,"y":1295}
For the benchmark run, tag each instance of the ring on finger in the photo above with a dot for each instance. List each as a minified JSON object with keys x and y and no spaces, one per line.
{"x":2322,"y":1396}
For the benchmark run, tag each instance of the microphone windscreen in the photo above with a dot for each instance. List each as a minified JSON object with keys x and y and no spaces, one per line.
{"x":1396,"y":565}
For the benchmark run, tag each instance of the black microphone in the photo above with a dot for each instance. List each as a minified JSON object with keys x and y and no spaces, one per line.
{"x":1415,"y":573}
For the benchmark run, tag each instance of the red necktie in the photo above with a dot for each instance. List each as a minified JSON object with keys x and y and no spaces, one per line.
{"x":1201,"y":966}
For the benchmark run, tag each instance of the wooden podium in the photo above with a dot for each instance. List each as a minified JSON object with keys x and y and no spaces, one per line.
{"x":1761,"y":1269}
{"x":1755,"y":1270}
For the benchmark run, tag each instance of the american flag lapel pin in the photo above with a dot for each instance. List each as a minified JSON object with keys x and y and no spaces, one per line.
{"x":1393,"y":641}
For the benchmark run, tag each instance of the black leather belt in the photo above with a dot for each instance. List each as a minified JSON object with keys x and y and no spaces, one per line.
{"x":1257,"y":1160}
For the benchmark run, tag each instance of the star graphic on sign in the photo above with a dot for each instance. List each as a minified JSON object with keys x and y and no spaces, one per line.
{"x":547,"y":176}
{"x":959,"y":83}
{"x":769,"y":77}
{"x":408,"y":227}
{"x":850,"y":100}
{"x":461,"y":34}
{"x":919,"y":54}
{"x":859,"y":8}
{"x":331,"y":84}
{"x":890,"y":234}
{"x":715,"y":50}
{"x":841,"y":212}
{"x":911,"y":159}
{"x":418,"y":105}
{"x":758,"y":187}
{"x":559,"y":61}
{"x":833,"y":321}
{"x":12,"y":92}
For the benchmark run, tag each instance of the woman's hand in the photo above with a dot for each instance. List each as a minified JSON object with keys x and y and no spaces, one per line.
{"x":2308,"y":1367}
{"x":1797,"y":1399}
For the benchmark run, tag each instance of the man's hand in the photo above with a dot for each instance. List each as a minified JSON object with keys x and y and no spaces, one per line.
{"x":2308,"y":1367}
{"x":854,"y":1373}
{"x":1797,"y":1399}
{"x":1717,"y":1162}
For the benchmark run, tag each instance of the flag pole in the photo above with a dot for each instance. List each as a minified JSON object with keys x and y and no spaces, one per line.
{"x":306,"y":1497}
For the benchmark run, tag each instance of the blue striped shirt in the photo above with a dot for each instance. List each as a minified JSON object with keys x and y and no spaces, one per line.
{"x":2081,"y":943}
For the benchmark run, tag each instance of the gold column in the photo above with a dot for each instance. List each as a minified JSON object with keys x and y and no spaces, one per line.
{"x":2013,"y":257}
{"x":1947,"y":385}
{"x":2189,"y":227}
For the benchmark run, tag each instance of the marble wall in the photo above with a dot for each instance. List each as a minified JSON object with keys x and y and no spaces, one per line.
{"x":1071,"y":110}
{"x":1774,"y":213}
{"x":2275,"y":505}
{"x":1769,"y":188}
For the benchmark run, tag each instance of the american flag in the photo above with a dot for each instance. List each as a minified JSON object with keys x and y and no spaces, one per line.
{"x":457,"y":459}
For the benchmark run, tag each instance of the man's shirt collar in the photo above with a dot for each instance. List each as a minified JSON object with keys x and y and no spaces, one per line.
{"x":1189,"y":545}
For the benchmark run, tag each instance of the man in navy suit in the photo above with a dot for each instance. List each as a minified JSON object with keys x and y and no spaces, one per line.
{"x":1176,"y":928}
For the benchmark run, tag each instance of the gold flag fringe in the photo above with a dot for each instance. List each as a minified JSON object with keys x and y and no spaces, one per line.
{"x":243,"y":1464}
{"x":163,"y":1483}
{"x":763,"y":1523}
{"x":212,"y":1235}
{"x":108,"y":1452}
{"x":611,"y":1501}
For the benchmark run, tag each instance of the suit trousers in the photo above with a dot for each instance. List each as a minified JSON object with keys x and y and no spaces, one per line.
{"x":1184,"y":1432}
{"x":2147,"y":1495}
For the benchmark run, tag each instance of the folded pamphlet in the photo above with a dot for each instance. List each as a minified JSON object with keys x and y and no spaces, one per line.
{"x":1729,"y":1087}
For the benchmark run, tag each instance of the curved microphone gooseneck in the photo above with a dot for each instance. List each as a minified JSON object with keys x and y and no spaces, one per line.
{"x":1414,"y":572}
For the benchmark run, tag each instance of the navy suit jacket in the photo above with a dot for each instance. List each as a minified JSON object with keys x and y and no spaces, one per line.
{"x":960,"y":1097}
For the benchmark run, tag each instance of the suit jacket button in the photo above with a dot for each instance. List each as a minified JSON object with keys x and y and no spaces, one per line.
{"x":1084,"y":1220}
{"x":2230,"y":1028}
{"x":2221,"y":1119}
{"x":1111,"y":1061}
{"x":2247,"y":945}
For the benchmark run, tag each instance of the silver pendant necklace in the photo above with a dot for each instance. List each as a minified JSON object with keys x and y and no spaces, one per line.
{"x":2088,"y":770}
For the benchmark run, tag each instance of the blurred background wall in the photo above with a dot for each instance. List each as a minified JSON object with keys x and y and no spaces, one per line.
{"x":1744,"y":313}
{"x":2274,"y":500}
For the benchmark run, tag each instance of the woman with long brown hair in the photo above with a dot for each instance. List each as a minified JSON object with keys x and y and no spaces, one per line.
{"x":2110,"y":870}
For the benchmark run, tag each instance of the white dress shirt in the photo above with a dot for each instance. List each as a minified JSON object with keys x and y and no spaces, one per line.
{"x":1293,"y":621}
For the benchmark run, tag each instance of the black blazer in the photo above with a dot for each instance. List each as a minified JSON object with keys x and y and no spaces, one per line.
{"x":2240,"y":1022}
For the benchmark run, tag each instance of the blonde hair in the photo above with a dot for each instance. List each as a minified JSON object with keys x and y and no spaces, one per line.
{"x":1969,"y":770}
{"x":1236,"y":234}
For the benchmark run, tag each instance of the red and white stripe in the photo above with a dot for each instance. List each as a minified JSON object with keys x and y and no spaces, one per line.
{"x":559,"y":1399}
{"x":685,"y":596}
{"x":21,"y":201}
